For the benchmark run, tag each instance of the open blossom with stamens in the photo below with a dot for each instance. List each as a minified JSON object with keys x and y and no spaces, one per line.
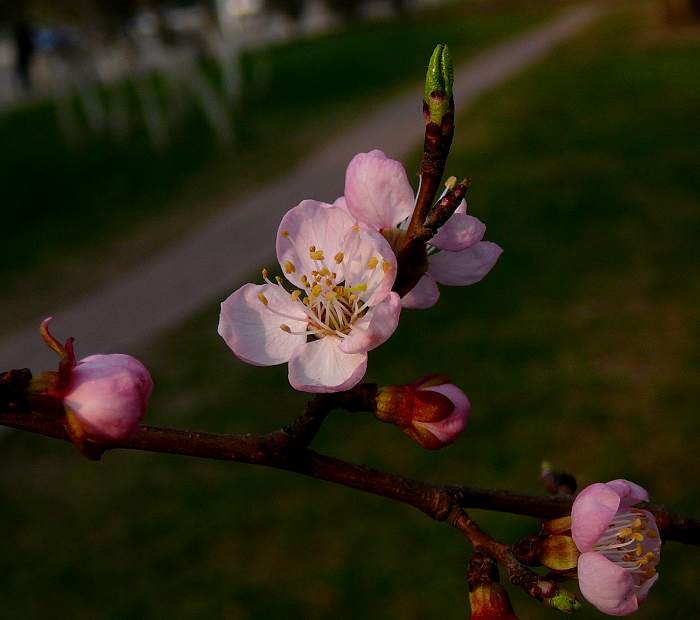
{"x":619,"y":546}
{"x":377,"y":192}
{"x":340,"y":306}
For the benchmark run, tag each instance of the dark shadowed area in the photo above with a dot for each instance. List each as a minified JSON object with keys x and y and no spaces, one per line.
{"x":581,"y":347}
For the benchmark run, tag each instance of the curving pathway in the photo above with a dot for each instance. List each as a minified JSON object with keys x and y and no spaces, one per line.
{"x":212,"y":261}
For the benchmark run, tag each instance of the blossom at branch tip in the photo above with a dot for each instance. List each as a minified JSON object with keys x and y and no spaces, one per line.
{"x":619,"y":544}
{"x":431,"y":411}
{"x":340,"y":308}
{"x":377,"y":192}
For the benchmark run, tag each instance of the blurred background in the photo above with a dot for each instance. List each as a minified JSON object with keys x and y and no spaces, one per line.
{"x":125,"y":126}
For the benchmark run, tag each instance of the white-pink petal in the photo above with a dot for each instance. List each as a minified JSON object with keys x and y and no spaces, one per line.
{"x":459,"y":232}
{"x":320,"y":366}
{"x":311,"y":223}
{"x":424,"y":294}
{"x":375,"y":328}
{"x":591,"y":513}
{"x":377,"y":190}
{"x":465,"y":267}
{"x":341,"y":203}
{"x":252,"y":329}
{"x":630,"y":492}
{"x":606,"y":585}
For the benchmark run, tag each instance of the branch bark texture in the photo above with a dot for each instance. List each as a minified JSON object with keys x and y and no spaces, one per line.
{"x":283,"y":450}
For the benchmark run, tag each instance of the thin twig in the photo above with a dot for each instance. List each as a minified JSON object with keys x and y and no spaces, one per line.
{"x":272,"y":450}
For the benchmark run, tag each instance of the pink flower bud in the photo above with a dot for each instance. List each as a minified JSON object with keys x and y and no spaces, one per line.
{"x":432,"y":411}
{"x":619,"y":544}
{"x":107,"y":396}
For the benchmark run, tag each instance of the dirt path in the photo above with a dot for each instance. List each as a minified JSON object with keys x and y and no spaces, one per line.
{"x":212,"y":261}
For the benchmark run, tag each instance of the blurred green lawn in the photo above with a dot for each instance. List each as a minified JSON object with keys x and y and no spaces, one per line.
{"x":92,"y":210}
{"x":580,"y":347}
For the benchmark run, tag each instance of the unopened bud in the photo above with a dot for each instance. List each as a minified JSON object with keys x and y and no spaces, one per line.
{"x":558,"y":552}
{"x":438,"y":84}
{"x":432,"y":411}
{"x":488,"y":600}
{"x":107,"y":397}
{"x":557,"y":482}
{"x":103,"y":397}
{"x":563,"y":601}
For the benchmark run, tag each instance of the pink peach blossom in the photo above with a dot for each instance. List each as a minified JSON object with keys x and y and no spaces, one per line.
{"x":619,"y":544}
{"x":108,"y":395}
{"x":377,"y":192}
{"x":342,"y":306}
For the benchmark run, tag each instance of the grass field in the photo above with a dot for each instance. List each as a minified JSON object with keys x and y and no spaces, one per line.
{"x":580,"y":347}
{"x":109,"y":203}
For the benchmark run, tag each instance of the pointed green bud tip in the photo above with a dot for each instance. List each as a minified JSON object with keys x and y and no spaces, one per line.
{"x":563,"y":601}
{"x":440,"y":76}
{"x":438,"y":82}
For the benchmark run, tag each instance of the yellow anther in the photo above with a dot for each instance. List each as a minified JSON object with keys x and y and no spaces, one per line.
{"x":263,"y":299}
{"x":305,"y":301}
{"x":340,"y":290}
{"x":355,"y":228}
{"x":324,"y":272}
{"x":278,"y":279}
{"x":285,"y":328}
{"x":450,"y":183}
{"x":289,"y":267}
{"x":295,"y":295}
{"x":330,"y":296}
{"x":334,"y":275}
{"x":362,"y":286}
{"x":329,"y":282}
{"x":372,"y":262}
{"x":315,"y":290}
{"x":651,"y":534}
{"x":316,"y":254}
{"x":637,"y":524}
{"x":624,"y":532}
{"x":649,"y":556}
{"x":352,"y":298}
{"x":285,"y":233}
{"x":638,"y":550}
{"x":638,"y":536}
{"x":338,"y":258}
{"x":305,"y":281}
{"x":265,"y":273}
{"x":387,"y":266}
{"x":312,"y":248}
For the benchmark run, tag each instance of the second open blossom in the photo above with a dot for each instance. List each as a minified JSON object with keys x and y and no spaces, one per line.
{"x":340,"y":306}
{"x":619,"y":543}
{"x":377,"y":192}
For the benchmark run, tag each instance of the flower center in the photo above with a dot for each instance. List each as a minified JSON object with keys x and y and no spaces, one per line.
{"x":331,"y":302}
{"x":632,"y":542}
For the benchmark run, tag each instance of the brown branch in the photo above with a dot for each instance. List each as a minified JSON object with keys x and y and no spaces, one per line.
{"x":533,"y":584}
{"x":272,"y":450}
